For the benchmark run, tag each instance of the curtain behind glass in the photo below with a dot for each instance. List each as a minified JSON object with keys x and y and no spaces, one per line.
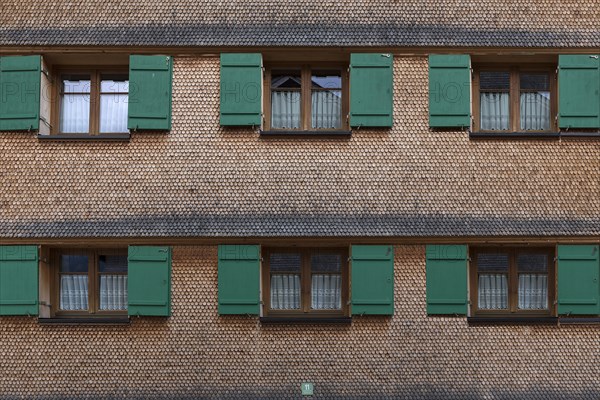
{"x":285,"y":291}
{"x":535,"y":111}
{"x":326,"y":292}
{"x":495,"y":113}
{"x":326,"y":109}
{"x":113,"y":292}
{"x":113,"y":105}
{"x":75,"y":104}
{"x":285,"y":109}
{"x":533,"y":292}
{"x":73,"y":292}
{"x":493,"y":292}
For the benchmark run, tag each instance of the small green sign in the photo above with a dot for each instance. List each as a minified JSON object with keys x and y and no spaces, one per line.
{"x":307,"y":388}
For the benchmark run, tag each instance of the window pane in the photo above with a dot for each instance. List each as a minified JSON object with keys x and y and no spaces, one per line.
{"x":113,"y":105}
{"x":535,"y":81}
{"x":330,"y":263}
{"x":327,"y":80}
{"x":285,"y":109}
{"x":76,"y":83}
{"x":495,"y":111}
{"x":532,"y":263}
{"x":326,"y":109}
{"x":113,"y":292}
{"x":326,"y":291}
{"x":533,"y":291}
{"x":285,"y":291}
{"x":535,"y":111}
{"x":75,"y":104}
{"x":74,"y":263}
{"x":492,"y":292}
{"x":73,"y":292}
{"x":497,"y":262}
{"x":112,"y":264}
{"x":285,"y":262}
{"x":494,"y":81}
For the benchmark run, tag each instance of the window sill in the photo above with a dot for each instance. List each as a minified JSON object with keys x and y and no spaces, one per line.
{"x":313,"y":320}
{"x":84,"y":321}
{"x":512,"y":320}
{"x":579,"y":321}
{"x":113,"y":137}
{"x":305,"y":133}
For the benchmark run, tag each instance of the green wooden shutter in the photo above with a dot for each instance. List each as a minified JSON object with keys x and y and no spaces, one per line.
{"x":241,"y":89}
{"x":149,"y":280}
{"x":371,"y":90}
{"x":449,"y":91}
{"x":150,"y":89}
{"x":19,"y":280}
{"x":577,"y":275}
{"x":578,"y":91}
{"x":20,"y":81}
{"x":372,"y":283}
{"x":446,"y":274}
{"x":239,"y":279}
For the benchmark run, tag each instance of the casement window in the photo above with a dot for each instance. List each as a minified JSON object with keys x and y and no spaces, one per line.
{"x":305,"y":281}
{"x":512,"y":281}
{"x":514,"y":99}
{"x":306,"y":98}
{"x":89,"y":282}
{"x":92,"y":101}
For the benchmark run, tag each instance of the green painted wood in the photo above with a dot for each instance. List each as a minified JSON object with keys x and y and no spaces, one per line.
{"x":150,"y":92}
{"x":446,"y":274}
{"x":19,"y":285}
{"x":578,"y":279}
{"x":578,"y":91}
{"x":149,"y":281}
{"x":371,"y":90}
{"x":241,"y":89}
{"x":239,"y":279}
{"x":449,"y":91}
{"x":20,"y":82}
{"x":372,"y":283}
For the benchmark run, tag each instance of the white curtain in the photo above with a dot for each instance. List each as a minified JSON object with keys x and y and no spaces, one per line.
{"x":495,"y":111}
{"x":285,"y":292}
{"x":326,"y":292}
{"x":493,"y":292}
{"x":113,"y":292}
{"x":113,"y":113}
{"x":73,"y":292}
{"x":535,"y":111}
{"x":75,"y":113}
{"x":533,"y":292}
{"x":285,"y":109}
{"x":326,"y":109}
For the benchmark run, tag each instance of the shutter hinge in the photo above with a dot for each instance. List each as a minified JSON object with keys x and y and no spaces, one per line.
{"x":47,"y":73}
{"x":469,"y":259}
{"x":386,"y":55}
{"x":594,"y":57}
{"x":45,"y":121}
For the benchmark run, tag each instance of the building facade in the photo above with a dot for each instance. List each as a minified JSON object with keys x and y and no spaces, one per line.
{"x":235,"y":200}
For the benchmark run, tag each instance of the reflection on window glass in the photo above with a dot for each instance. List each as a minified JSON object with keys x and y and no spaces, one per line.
{"x":326,"y":100}
{"x":73,"y":291}
{"x":285,"y":281}
{"x":114,"y":91}
{"x":286,"y":100}
{"x":494,"y":97}
{"x":535,"y":101}
{"x":492,"y":281}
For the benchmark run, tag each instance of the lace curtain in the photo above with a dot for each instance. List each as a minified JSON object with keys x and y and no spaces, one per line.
{"x":495,"y":113}
{"x":326,"y":108}
{"x":73,"y":292}
{"x":113,"y":292}
{"x":535,"y":111}
{"x":285,"y":109}
{"x":493,"y":292}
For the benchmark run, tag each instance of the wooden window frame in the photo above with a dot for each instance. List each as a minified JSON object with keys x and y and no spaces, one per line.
{"x":95,"y":80}
{"x":514,"y":106}
{"x":305,"y":94}
{"x":513,"y":285}
{"x":93,"y":282}
{"x":305,"y":283}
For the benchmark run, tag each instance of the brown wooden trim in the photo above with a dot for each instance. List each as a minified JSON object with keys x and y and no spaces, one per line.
{"x":512,"y":273}
{"x":305,"y":283}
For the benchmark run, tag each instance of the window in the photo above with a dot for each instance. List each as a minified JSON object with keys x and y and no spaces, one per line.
{"x":514,"y":99}
{"x":305,"y":282}
{"x":92,"y":102}
{"x":512,"y":281}
{"x":89,"y":282}
{"x":306,"y":98}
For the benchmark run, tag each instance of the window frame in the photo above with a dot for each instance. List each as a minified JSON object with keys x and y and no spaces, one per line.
{"x":513,"y":287}
{"x":95,"y":80}
{"x":305,"y":283}
{"x":305,"y":94}
{"x":93,"y":282}
{"x":514,"y":92}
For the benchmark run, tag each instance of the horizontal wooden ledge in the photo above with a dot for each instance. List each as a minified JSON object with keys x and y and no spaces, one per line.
{"x":114,"y":137}
{"x":512,"y":320}
{"x":302,"y":320}
{"x":304,"y":133}
{"x":85,"y":321}
{"x":533,"y":135}
{"x":579,"y":321}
